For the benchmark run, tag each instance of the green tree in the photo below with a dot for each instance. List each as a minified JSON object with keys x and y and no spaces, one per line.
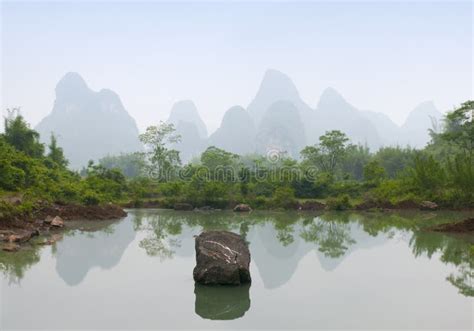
{"x":132,"y":165}
{"x":19,"y":134}
{"x":221,"y":164}
{"x":395,"y":159}
{"x":374,"y":173}
{"x":56,"y":153}
{"x":427,"y":175}
{"x":328,"y":154}
{"x":459,"y":128}
{"x":162,"y":162}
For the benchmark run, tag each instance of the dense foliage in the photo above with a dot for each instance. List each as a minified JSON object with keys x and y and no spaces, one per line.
{"x":31,"y":174}
{"x":334,"y":170}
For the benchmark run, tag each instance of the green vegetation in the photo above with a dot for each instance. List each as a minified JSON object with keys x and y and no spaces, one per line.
{"x":32,"y":176}
{"x":333,"y":170}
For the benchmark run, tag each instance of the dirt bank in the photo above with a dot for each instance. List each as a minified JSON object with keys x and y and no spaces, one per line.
{"x":18,"y":229}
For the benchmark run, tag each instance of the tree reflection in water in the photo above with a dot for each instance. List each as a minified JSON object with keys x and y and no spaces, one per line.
{"x":334,"y":235}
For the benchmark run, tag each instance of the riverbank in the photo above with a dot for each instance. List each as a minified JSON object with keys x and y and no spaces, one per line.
{"x":336,"y":204}
{"x":20,"y":223}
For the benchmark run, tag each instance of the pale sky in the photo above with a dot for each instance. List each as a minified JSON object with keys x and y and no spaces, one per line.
{"x":381,"y":56}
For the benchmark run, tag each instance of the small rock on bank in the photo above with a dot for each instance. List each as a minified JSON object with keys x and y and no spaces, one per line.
{"x":428,"y":205}
{"x":57,"y":222}
{"x":242,"y":207}
{"x":222,"y":258}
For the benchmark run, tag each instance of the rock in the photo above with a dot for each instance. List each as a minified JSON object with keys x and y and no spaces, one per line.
{"x":312,"y":205}
{"x":5,"y":235}
{"x":57,"y":222}
{"x":221,"y":302}
{"x":10,"y":247}
{"x":242,"y":207}
{"x":183,"y":206}
{"x":48,"y":219}
{"x":222,"y":258}
{"x":428,"y":205}
{"x":22,"y":236}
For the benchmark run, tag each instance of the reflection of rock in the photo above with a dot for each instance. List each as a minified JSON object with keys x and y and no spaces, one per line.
{"x":222,"y":302}
{"x":85,"y":250}
{"x":182,"y":206}
{"x":222,"y":257}
{"x":10,"y":247}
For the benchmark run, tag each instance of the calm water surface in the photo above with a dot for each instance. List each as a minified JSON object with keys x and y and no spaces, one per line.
{"x":335,"y":270}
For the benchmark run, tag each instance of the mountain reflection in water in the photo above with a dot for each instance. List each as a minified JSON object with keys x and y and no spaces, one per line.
{"x":149,"y":256}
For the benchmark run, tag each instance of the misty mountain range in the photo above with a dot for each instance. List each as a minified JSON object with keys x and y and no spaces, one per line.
{"x":90,"y":125}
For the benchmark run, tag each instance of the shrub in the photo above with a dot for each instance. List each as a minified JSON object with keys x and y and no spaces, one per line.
{"x":90,"y":198}
{"x":284,"y":197}
{"x":341,"y":202}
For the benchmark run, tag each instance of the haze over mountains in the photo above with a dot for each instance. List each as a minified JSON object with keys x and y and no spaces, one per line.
{"x":90,"y":125}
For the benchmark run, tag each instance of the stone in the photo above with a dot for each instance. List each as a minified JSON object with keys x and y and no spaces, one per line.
{"x":222,"y":258}
{"x":428,"y":205}
{"x":57,"y":222}
{"x":22,"y":236}
{"x":48,"y":219}
{"x":183,"y":206}
{"x":312,"y":205}
{"x":242,"y":207}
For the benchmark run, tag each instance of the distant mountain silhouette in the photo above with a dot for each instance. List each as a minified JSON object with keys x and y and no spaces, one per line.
{"x":88,"y":124}
{"x":282,"y":130}
{"x":388,"y":131}
{"x":189,"y":125}
{"x":276,"y":86}
{"x":415,"y":129}
{"x":236,"y":133}
{"x":333,"y":112}
{"x":414,"y":132}
{"x":186,"y":111}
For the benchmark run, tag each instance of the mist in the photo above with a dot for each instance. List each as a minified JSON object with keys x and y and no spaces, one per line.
{"x":383,"y":57}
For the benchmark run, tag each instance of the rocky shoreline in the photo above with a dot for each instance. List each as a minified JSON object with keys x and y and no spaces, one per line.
{"x":51,"y":219}
{"x":307,"y":205}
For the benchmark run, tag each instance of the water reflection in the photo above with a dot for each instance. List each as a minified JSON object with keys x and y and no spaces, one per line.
{"x":221,"y":302}
{"x":14,"y":266}
{"x":278,"y":242}
{"x":100,"y":246}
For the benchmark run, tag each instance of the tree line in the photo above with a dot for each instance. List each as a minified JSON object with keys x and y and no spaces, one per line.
{"x":333,"y":170}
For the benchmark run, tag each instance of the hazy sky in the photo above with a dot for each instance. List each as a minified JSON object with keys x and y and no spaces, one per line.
{"x":380,"y":56}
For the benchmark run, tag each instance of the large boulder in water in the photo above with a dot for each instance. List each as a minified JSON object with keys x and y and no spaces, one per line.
{"x":222,"y":258}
